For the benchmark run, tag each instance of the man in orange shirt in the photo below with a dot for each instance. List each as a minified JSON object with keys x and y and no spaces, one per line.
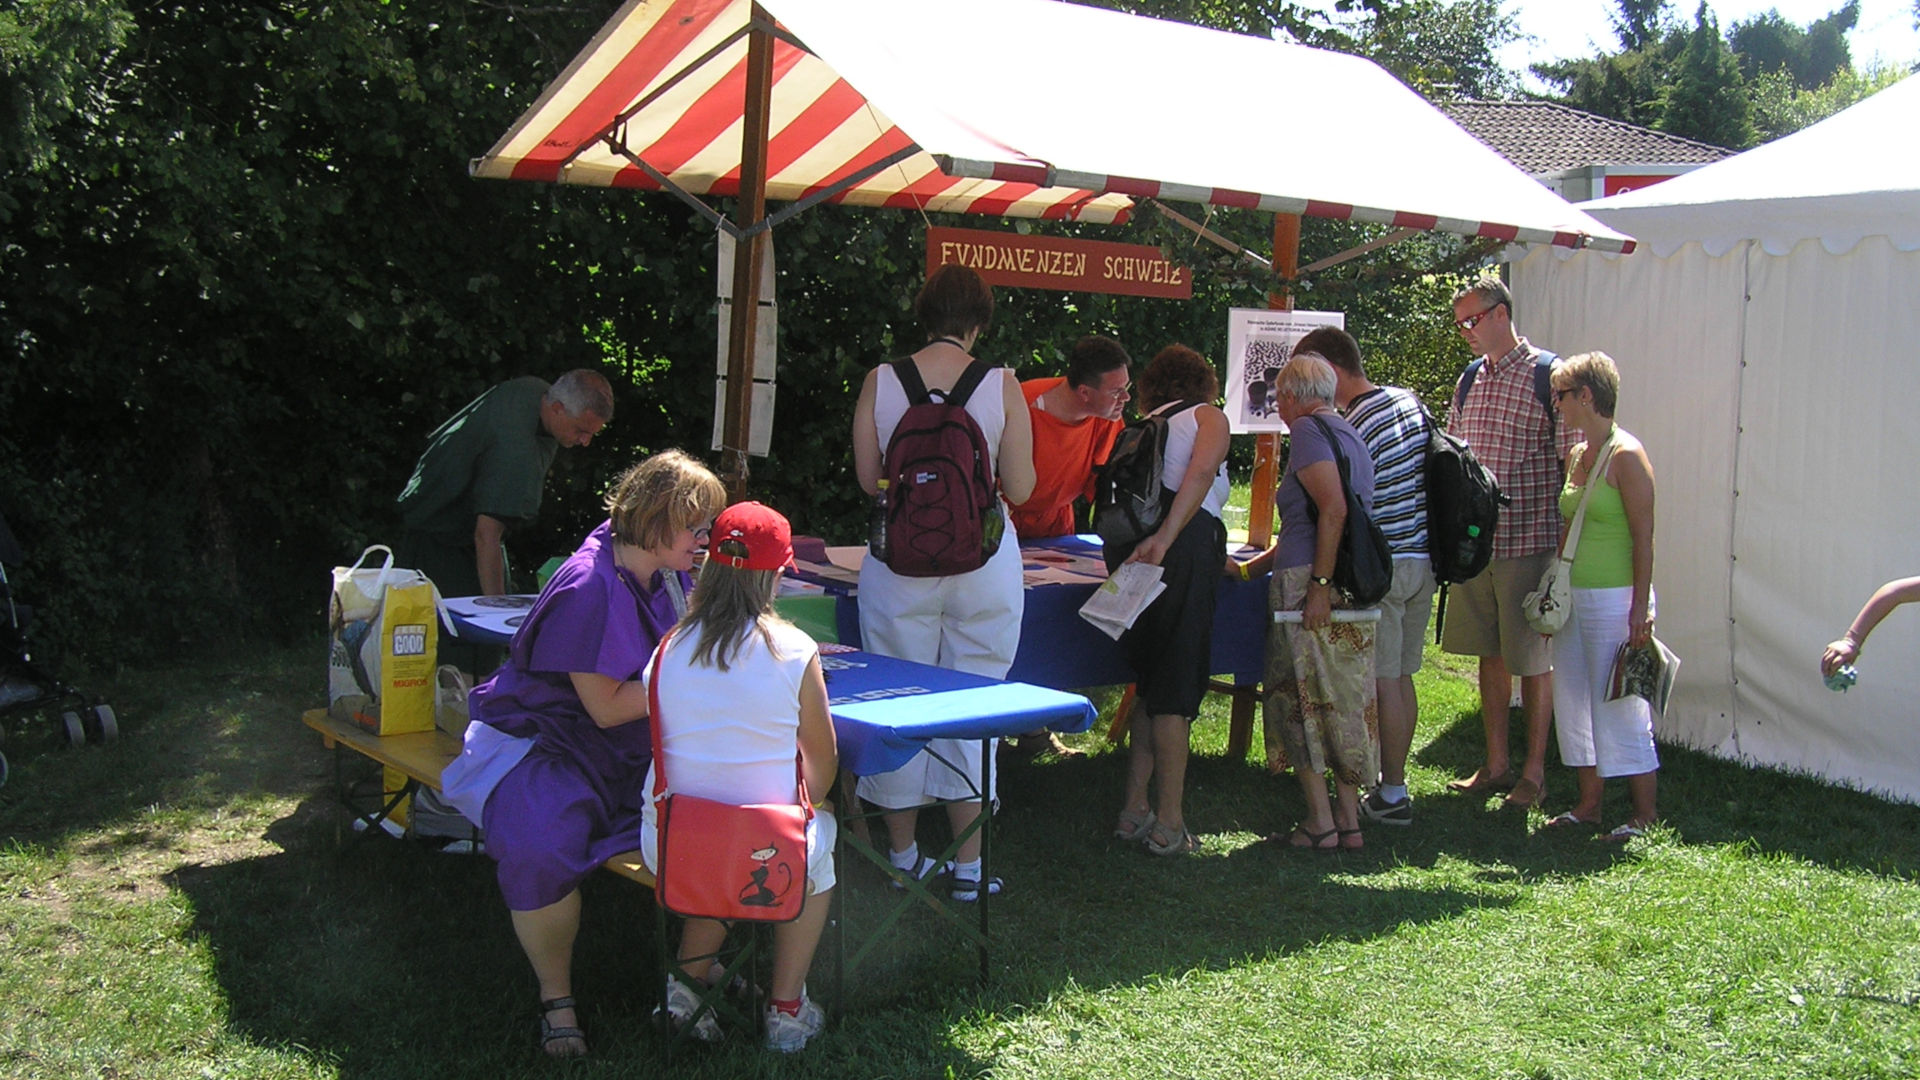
{"x":1075,"y":420}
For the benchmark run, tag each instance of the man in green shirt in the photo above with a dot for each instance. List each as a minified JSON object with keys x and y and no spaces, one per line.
{"x":483,"y":472}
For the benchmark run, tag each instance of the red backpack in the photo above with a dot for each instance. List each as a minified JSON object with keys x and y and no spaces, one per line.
{"x":943,"y":513}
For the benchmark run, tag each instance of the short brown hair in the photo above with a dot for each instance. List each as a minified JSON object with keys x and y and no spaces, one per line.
{"x":1177,"y":373}
{"x":1490,"y":291}
{"x":1336,"y":346}
{"x":654,"y":500}
{"x":954,"y":300}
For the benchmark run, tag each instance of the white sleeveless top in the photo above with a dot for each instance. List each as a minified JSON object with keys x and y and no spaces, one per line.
{"x":987,"y":406}
{"x":1182,"y":431}
{"x":733,"y":735}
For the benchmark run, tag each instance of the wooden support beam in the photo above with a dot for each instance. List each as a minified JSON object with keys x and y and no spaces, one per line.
{"x":737,"y":428}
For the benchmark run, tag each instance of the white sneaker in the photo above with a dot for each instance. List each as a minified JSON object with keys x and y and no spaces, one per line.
{"x":787,"y":1034}
{"x":682,"y":1003}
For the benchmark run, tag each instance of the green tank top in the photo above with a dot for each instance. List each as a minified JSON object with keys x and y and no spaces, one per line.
{"x":1604,"y":559}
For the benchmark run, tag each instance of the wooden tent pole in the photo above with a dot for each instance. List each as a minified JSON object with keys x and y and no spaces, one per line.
{"x":1266,"y":447}
{"x":748,"y":257}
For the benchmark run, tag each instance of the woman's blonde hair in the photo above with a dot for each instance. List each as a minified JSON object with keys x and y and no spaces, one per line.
{"x":727,"y":605}
{"x":653,"y":501}
{"x":1597,"y":372}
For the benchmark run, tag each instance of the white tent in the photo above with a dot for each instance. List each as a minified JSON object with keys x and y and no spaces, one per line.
{"x":1768,"y":335}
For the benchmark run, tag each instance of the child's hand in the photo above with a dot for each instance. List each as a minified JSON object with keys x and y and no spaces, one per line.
{"x":1839,"y":654}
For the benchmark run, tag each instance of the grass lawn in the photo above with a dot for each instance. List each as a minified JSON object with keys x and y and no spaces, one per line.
{"x":176,"y":906}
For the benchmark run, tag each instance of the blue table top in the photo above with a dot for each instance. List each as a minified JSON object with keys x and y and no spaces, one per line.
{"x":885,"y":710}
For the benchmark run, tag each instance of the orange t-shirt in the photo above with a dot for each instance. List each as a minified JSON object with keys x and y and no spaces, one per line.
{"x":1063,"y":459}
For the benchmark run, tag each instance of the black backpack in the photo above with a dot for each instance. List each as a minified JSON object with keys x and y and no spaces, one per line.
{"x":1129,"y":499}
{"x":1463,"y":507}
{"x":1364,"y":568}
{"x":941,"y":489}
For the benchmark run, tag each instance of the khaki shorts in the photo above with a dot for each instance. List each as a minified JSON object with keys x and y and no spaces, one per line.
{"x":1402,"y":634}
{"x":1483,"y":616}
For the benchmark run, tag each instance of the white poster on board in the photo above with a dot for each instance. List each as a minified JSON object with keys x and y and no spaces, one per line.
{"x":1259,"y":342}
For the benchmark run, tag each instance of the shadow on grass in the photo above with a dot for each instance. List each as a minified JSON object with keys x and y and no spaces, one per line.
{"x":1706,"y":799}
{"x":388,"y":959}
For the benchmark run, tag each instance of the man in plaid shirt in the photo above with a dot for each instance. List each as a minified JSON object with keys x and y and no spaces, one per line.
{"x":1514,"y":436}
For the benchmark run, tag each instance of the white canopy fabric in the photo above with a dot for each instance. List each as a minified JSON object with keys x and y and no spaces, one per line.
{"x":1022,"y":108}
{"x":1771,"y":373}
{"x":1850,"y":176}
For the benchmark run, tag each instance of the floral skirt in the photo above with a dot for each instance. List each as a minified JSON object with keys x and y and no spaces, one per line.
{"x":1320,"y":711}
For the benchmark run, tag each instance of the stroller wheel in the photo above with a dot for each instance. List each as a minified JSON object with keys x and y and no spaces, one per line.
{"x":70,"y":722}
{"x":105,"y":728}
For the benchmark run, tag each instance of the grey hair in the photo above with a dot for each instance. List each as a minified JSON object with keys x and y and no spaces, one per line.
{"x":1307,"y":378}
{"x":583,"y":390}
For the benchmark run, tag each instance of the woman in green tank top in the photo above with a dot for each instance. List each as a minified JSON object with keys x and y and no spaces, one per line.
{"x":1612,"y":598}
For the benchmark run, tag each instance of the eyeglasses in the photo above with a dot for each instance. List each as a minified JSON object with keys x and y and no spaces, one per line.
{"x":1558,"y":394}
{"x":1122,"y":393}
{"x":703,"y":534}
{"x":1472,"y":321}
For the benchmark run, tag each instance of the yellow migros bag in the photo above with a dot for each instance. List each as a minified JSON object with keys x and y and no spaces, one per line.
{"x":384,"y":637}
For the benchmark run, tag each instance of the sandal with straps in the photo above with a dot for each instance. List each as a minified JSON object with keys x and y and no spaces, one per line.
{"x":1315,"y":841}
{"x":551,"y":1036}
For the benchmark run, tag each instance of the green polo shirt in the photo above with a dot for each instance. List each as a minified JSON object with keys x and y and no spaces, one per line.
{"x":491,"y":458}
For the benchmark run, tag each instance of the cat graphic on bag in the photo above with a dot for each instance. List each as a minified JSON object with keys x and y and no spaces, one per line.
{"x":757,"y":894}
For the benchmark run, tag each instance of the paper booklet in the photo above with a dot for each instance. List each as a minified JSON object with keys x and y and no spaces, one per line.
{"x":1116,"y":604}
{"x":1644,"y":672}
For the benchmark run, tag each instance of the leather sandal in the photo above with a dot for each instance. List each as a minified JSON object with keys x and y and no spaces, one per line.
{"x":1134,"y":826}
{"x":552,"y":1037}
{"x":1314,"y":841}
{"x":1358,"y":842}
{"x":1162,"y":842}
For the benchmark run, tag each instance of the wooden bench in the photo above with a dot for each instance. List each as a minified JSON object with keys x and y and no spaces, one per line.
{"x":421,"y":757}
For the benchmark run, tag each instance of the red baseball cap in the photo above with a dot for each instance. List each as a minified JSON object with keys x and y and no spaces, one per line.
{"x":751,"y":536}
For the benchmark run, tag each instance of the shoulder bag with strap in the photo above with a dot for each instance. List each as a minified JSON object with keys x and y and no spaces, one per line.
{"x":1546,"y":608}
{"x":1364,"y":568}
{"x":722,"y":861}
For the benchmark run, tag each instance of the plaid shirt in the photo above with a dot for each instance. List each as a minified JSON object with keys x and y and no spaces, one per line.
{"x":1513,"y":436}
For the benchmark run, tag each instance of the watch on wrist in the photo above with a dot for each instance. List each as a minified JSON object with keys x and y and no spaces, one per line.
{"x":1321,"y":580}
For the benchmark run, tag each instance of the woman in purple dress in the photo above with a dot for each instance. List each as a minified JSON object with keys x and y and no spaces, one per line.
{"x":554,"y":764}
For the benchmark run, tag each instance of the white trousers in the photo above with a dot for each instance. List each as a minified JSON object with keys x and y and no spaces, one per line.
{"x":968,"y":622}
{"x":1613,"y":737}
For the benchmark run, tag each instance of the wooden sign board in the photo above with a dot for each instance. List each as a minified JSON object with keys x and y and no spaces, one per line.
{"x":1051,"y":262}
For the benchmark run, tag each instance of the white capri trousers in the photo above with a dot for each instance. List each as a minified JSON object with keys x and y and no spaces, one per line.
{"x":968,"y":622}
{"x":1615,"y":738}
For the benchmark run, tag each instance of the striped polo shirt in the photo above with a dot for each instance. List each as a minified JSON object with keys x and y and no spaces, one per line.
{"x":1389,"y":420}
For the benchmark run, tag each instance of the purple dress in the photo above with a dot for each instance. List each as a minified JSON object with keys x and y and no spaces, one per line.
{"x":574,"y":800}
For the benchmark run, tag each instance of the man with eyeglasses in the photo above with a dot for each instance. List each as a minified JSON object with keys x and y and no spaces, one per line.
{"x":1499,"y":412}
{"x":1075,"y":420}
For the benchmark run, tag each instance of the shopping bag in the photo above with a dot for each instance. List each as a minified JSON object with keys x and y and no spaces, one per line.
{"x":384,"y":634}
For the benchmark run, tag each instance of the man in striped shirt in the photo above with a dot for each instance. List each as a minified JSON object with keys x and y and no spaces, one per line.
{"x":1514,"y":435}
{"x":1391,"y":422}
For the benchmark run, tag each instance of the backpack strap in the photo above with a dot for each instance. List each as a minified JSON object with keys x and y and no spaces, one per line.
{"x":1543,"y":362}
{"x":908,"y":373}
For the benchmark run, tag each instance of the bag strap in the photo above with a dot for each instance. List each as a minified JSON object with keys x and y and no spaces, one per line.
{"x":1599,"y":470}
{"x":386,"y":567}
{"x":653,"y":731}
{"x":1346,"y":471}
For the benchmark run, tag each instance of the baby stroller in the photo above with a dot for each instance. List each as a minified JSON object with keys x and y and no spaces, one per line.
{"x":25,"y":688}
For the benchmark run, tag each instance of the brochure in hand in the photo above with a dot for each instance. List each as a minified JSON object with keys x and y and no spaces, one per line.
{"x":1116,"y":604}
{"x":1645,"y":672}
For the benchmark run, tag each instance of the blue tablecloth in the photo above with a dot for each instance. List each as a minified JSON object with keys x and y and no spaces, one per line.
{"x":1060,"y":649}
{"x":885,"y":710}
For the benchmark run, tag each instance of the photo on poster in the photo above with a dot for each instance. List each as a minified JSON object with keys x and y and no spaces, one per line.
{"x":1259,"y":343}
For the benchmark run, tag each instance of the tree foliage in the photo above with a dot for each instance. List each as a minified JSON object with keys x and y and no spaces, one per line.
{"x":1813,"y":56}
{"x":1707,"y":100}
{"x":243,"y":273}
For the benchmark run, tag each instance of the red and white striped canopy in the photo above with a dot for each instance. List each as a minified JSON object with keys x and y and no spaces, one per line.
{"x":1022,"y":108}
